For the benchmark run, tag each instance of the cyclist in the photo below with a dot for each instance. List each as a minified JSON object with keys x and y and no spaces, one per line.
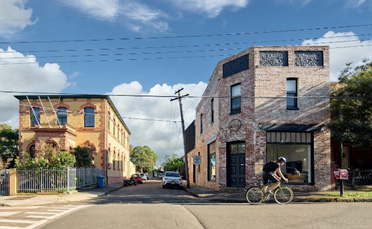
{"x":270,"y":173}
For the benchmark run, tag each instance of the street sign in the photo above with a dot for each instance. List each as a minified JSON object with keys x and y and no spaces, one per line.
{"x":196,"y":160}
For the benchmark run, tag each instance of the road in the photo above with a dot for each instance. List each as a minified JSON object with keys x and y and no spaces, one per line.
{"x":150,"y":206}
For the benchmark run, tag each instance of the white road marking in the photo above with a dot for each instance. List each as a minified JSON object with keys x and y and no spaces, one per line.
{"x":8,"y":213}
{"x":40,"y":217}
{"x":15,"y":221}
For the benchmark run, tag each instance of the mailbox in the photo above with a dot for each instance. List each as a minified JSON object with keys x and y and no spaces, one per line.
{"x":341,"y":174}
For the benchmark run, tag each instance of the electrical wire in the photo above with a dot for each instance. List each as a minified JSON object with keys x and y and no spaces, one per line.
{"x":189,"y":36}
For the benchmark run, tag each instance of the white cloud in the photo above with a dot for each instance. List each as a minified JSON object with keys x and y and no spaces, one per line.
{"x":101,"y":9}
{"x":344,"y":48}
{"x":164,"y":138}
{"x":14,"y":17}
{"x":142,"y":16}
{"x":355,"y":3}
{"x":135,"y":15}
{"x":23,"y":73}
{"x":212,"y":7}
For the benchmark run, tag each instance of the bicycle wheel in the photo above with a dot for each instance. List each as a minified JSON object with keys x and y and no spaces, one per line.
{"x":254,"y":195}
{"x":283,"y":195}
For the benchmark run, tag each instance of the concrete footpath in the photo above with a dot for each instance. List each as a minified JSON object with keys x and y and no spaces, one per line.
{"x":203,"y":194}
{"x":238,"y":195}
{"x":65,"y":198}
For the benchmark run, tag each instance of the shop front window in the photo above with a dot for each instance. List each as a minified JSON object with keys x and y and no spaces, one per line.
{"x":296,"y":147}
{"x":212,"y":162}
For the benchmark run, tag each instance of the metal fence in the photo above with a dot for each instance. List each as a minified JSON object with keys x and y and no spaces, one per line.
{"x":87,"y":176}
{"x":56,"y":180}
{"x":4,"y":182}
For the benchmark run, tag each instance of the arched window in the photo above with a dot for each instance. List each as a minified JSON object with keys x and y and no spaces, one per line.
{"x":62,"y":115}
{"x":35,"y":116}
{"x":32,"y":151}
{"x":89,"y":117}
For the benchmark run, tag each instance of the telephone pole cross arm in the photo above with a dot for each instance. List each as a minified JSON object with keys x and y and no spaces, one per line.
{"x":179,"y":98}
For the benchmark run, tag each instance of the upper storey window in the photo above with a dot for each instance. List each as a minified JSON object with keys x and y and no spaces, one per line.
{"x":89,"y":117}
{"x":309,"y":58}
{"x":35,"y":116}
{"x":235,"y":66}
{"x":292,"y":94}
{"x":62,"y":115}
{"x":273,"y":58}
{"x":235,"y":99}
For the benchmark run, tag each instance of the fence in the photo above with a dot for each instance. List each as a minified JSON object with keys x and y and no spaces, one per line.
{"x":360,"y":176}
{"x":59,"y":180}
{"x":4,"y":182}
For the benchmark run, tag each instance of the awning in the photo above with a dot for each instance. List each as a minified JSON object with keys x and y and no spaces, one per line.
{"x":290,"y":127}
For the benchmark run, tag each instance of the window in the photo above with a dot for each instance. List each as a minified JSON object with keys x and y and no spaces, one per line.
{"x":35,"y":116}
{"x":235,"y":99}
{"x":89,"y":117}
{"x":62,"y":115}
{"x":292,"y":94}
{"x":212,"y":110}
{"x":201,"y":123}
{"x":212,"y":162}
{"x":296,"y":147}
{"x":235,"y":66}
{"x":108,"y":120}
{"x":113,"y":128}
{"x":32,"y":151}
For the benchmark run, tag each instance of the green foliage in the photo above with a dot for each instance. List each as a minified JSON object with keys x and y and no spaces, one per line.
{"x":143,"y":158}
{"x":83,"y":156}
{"x":49,"y":158}
{"x":173,"y":163}
{"x":8,"y":145}
{"x":352,"y":107}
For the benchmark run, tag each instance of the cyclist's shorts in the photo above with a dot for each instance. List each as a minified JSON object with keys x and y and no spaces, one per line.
{"x":268,"y":177}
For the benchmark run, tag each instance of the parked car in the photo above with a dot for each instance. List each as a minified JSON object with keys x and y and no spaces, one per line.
{"x":172,"y":179}
{"x":144,"y":176}
{"x":160,"y":175}
{"x":137,"y":178}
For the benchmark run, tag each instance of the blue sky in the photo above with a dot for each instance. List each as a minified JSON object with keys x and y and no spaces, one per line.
{"x":156,"y":47}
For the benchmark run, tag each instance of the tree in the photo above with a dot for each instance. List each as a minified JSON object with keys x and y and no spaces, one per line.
{"x":8,"y":145}
{"x":351,"y":106}
{"x":173,"y":163}
{"x":83,"y":156}
{"x":143,"y":158}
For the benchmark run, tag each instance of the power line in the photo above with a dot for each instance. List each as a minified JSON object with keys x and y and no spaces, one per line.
{"x":182,"y":46}
{"x":189,"y":36}
{"x":156,"y":58}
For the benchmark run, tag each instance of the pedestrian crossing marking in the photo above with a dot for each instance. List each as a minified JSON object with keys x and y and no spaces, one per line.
{"x":13,"y":217}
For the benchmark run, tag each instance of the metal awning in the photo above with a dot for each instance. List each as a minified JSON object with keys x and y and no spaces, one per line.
{"x":291,"y":127}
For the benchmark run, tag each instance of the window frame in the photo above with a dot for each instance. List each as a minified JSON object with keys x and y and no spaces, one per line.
{"x":212,"y":110}
{"x":235,"y":98}
{"x":62,"y":117}
{"x":292,"y":96}
{"x":35,"y":120}
{"x":89,"y":121}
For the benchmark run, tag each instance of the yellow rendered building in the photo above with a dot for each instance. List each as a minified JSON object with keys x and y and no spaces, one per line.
{"x":68,"y":121}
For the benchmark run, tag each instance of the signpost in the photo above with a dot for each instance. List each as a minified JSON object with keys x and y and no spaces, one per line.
{"x":197,"y":161}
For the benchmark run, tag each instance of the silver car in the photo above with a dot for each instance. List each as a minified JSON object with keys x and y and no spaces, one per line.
{"x":172,"y":179}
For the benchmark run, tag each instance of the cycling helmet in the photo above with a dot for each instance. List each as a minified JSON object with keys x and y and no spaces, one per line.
{"x":282,"y":159}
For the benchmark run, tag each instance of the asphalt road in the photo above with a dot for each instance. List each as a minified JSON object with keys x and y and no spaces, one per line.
{"x":150,"y":206}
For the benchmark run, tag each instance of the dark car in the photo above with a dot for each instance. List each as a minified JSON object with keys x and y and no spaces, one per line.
{"x":137,"y":178}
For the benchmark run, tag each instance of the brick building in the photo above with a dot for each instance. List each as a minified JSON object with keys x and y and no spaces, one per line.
{"x":259,"y":104}
{"x":68,"y":121}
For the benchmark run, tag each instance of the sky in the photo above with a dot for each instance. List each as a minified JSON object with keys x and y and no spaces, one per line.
{"x":143,"y":47}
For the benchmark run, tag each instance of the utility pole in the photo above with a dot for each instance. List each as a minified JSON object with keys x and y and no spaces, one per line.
{"x":179,"y":98}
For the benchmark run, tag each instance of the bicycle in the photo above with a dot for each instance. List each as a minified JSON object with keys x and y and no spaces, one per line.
{"x":256,"y":194}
